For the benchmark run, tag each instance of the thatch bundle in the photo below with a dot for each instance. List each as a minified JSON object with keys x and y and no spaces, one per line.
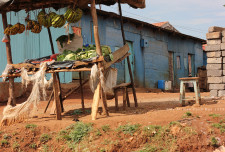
{"x":17,"y":5}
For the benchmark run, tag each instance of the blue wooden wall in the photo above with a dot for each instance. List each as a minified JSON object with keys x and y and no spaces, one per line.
{"x":150,"y":63}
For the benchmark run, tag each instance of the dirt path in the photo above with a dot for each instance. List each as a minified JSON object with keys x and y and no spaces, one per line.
{"x":154,"y":109}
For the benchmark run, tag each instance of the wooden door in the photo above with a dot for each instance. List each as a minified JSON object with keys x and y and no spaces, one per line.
{"x":127,"y":75}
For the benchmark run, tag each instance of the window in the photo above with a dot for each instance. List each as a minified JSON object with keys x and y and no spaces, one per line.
{"x":178,"y":62}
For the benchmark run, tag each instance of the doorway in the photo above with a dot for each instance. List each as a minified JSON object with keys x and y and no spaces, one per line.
{"x":191,"y":65}
{"x":131,"y":57}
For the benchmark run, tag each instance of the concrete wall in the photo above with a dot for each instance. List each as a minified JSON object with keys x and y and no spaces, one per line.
{"x":150,"y":63}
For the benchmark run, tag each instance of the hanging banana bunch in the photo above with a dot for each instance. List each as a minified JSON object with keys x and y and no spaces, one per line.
{"x":58,"y":21}
{"x":73,"y":15}
{"x":15,"y":29}
{"x":45,"y":19}
{"x":21,"y":28}
{"x":34,"y":26}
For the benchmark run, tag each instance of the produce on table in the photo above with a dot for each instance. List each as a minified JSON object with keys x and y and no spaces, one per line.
{"x":15,"y":29}
{"x":73,"y":15}
{"x":58,"y":21}
{"x":86,"y":52}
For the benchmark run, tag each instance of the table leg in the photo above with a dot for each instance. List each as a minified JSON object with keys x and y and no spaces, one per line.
{"x":196,"y":93}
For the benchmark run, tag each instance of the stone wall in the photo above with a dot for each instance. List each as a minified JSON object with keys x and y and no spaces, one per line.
{"x":215,"y":49}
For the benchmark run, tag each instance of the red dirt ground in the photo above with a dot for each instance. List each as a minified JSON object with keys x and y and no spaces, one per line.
{"x":154,"y":109}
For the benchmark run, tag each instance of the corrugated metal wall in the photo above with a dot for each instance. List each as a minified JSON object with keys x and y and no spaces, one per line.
{"x":150,"y":63}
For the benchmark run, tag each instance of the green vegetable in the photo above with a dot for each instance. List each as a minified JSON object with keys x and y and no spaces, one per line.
{"x":70,"y":57}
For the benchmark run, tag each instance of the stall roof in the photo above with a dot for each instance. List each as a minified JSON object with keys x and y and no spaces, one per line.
{"x":17,"y":5}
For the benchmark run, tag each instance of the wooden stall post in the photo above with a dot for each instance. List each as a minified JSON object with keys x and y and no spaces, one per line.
{"x":128,"y":59}
{"x":99,"y":52}
{"x":56,"y":96}
{"x":82,"y":93}
{"x":57,"y":74}
{"x":11,"y":99}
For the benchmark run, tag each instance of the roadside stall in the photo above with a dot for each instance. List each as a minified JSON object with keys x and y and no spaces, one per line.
{"x":96,"y":58}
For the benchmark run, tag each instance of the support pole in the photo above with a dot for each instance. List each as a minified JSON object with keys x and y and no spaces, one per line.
{"x":57,"y":74}
{"x":128,"y":59}
{"x":82,"y":93}
{"x":11,"y":99}
{"x":99,"y":52}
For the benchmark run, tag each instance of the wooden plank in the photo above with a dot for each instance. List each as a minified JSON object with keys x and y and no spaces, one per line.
{"x":118,"y":54}
{"x":122,"y":85}
{"x":104,"y":103}
{"x":56,"y":96}
{"x":96,"y":98}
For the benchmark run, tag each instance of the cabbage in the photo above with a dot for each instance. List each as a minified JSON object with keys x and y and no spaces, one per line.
{"x":70,"y":57}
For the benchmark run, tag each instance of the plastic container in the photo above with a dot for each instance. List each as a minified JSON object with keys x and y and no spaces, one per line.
{"x":168,"y":85}
{"x":161,"y":84}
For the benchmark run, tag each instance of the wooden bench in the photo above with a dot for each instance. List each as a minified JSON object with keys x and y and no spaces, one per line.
{"x":126,"y":101}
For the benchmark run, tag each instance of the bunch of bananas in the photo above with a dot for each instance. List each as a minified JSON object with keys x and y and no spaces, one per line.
{"x":13,"y":30}
{"x":45,"y":19}
{"x":34,"y":26}
{"x":58,"y":21}
{"x":73,"y":15}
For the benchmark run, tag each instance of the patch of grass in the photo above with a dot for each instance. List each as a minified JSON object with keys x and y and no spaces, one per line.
{"x":45,"y":148}
{"x":128,"y":128}
{"x":16,"y":145}
{"x":1,"y":132}
{"x":106,"y":128}
{"x":150,"y":149}
{"x":6,"y":136}
{"x":75,"y":132}
{"x":160,"y":137}
{"x":98,"y":133}
{"x":215,"y":115}
{"x":79,"y":131}
{"x":106,"y":142}
{"x":30,"y":126}
{"x":222,"y":121}
{"x":214,"y":142}
{"x":45,"y":138}
{"x":151,"y":130}
{"x":187,"y":114}
{"x":220,"y":126}
{"x":4,"y":142}
{"x":33,"y":145}
{"x":174,"y":123}
{"x":77,"y":112}
{"x":189,"y":131}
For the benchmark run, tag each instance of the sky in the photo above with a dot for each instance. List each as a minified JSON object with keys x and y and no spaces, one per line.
{"x":191,"y":17}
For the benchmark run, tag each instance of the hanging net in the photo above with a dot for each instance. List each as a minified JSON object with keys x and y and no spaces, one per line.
{"x":28,"y":108}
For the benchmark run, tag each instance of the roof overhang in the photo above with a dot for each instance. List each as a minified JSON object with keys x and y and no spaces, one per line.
{"x":17,"y":5}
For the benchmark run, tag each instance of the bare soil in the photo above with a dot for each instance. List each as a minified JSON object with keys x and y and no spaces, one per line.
{"x":153,"y":109}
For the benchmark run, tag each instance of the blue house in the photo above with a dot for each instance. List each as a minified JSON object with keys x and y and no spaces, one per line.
{"x":156,"y":53}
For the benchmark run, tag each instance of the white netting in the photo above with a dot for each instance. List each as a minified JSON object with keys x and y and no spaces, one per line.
{"x":108,"y":79}
{"x":24,"y":110}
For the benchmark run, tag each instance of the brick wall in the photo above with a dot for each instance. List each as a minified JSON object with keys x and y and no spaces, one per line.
{"x":216,"y":61}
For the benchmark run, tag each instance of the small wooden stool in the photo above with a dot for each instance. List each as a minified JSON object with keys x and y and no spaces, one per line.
{"x":126,"y":100}
{"x":193,"y":80}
